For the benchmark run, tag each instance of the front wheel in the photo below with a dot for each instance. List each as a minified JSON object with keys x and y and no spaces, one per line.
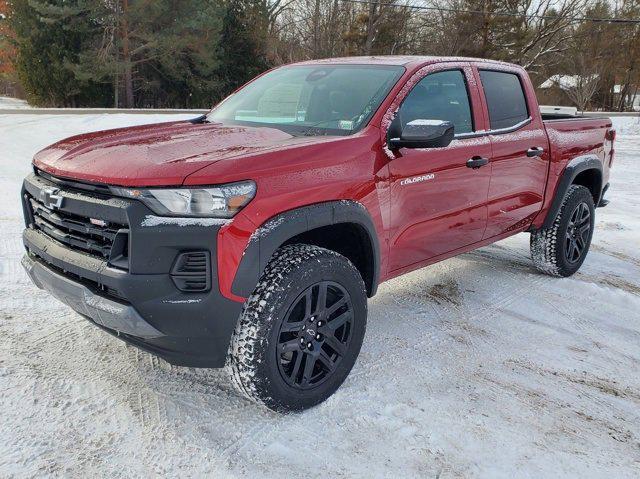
{"x":301,"y":330}
{"x":561,"y":249}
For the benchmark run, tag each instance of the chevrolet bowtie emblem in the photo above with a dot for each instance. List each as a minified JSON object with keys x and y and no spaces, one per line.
{"x":50,"y":198}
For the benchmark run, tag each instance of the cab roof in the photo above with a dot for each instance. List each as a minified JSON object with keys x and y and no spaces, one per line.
{"x":399,"y":60}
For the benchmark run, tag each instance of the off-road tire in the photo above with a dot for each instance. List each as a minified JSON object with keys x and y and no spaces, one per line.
{"x":254,"y":360}
{"x":549,"y":245}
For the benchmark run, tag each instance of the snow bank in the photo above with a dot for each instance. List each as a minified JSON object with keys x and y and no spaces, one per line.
{"x":11,"y":103}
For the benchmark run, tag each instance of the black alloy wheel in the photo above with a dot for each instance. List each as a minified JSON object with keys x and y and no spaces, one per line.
{"x":578,"y":231}
{"x":315,"y":335}
{"x":560,"y":249}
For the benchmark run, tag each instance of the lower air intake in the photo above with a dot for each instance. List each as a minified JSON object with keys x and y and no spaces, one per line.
{"x":191,"y":272}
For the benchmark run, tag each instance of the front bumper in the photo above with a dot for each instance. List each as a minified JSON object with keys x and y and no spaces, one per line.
{"x":105,"y":312}
{"x":140,"y":303}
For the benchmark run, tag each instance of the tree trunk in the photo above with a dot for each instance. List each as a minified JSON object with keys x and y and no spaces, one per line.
{"x":316,"y":30}
{"x":116,"y":91}
{"x":333,"y":33}
{"x":484,"y":48}
{"x":126,"y":57}
{"x":371,"y":27}
{"x":116,"y":79}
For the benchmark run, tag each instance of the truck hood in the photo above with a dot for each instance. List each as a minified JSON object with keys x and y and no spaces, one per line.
{"x":161,"y":154}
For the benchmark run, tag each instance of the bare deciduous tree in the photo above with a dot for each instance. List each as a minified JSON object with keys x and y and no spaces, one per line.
{"x":579,"y":88}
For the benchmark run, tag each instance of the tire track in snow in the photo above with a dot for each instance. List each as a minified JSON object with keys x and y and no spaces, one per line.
{"x":494,"y":309}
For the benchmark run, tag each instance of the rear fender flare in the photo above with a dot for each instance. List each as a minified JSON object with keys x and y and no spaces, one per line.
{"x":572,"y":170}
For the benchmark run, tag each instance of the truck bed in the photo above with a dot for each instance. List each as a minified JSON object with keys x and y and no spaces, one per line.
{"x":565,"y":116}
{"x":577,"y":135}
{"x":572,"y":137}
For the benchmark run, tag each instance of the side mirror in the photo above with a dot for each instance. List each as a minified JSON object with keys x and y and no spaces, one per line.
{"x":422,"y":134}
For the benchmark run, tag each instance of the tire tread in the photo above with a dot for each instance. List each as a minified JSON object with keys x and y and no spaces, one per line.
{"x":255,"y":321}
{"x":544,"y":242}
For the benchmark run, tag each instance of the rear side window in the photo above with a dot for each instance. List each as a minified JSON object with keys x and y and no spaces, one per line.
{"x":505,"y":98}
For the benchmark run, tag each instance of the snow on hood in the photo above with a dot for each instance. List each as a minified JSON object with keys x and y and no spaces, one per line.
{"x":160,"y":154}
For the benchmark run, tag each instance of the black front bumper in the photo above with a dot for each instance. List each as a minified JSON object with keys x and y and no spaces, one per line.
{"x":140,"y":302}
{"x":106,"y":312}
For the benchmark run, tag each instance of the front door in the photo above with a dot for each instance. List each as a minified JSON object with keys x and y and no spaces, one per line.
{"x":438,"y":202}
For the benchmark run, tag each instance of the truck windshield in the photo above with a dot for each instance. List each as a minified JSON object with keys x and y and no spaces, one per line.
{"x":310,"y":100}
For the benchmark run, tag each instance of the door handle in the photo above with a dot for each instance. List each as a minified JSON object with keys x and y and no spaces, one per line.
{"x":535,"y":151}
{"x":476,"y":162}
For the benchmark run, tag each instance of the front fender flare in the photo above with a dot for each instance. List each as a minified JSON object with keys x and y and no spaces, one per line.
{"x":281,"y":228}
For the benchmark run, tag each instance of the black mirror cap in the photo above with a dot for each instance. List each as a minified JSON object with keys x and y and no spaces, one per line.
{"x":424,"y":134}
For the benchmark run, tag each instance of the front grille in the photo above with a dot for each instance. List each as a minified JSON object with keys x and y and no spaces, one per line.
{"x":79,"y":233}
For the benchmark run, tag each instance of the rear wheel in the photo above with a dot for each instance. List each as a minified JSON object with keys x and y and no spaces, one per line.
{"x":561,"y":249}
{"x":301,"y":330}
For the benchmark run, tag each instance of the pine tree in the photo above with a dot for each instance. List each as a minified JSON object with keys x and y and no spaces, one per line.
{"x":242,"y":52}
{"x":48,"y":40}
{"x":139,"y":53}
{"x":158,"y":52}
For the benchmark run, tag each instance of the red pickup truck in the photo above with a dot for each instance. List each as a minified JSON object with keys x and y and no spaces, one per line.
{"x":252,"y":236}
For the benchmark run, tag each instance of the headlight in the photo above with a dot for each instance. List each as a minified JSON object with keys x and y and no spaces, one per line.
{"x":217,"y":202}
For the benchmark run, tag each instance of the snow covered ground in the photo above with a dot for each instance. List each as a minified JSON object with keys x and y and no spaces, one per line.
{"x":476,"y":367}
{"x":8,"y":102}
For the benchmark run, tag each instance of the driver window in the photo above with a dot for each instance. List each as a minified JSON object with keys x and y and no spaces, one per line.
{"x":439,"y":96}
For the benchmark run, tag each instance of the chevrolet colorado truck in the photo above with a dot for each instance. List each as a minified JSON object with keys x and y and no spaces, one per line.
{"x":251,"y":237}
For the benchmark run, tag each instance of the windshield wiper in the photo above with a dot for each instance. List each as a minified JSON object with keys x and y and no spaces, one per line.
{"x":307,"y":132}
{"x":198,"y":120}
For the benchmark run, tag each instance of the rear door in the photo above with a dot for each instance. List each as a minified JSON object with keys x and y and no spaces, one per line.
{"x":520,"y":149}
{"x":438,"y":203}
